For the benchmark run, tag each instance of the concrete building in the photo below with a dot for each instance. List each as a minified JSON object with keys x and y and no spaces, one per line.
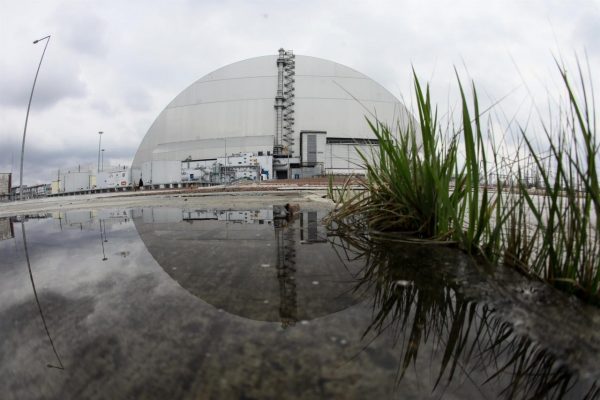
{"x":31,"y":192}
{"x":279,"y":116}
{"x":5,"y":185}
{"x":80,"y":178}
{"x":118,"y":177}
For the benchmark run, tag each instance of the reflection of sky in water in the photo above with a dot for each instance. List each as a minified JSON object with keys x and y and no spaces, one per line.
{"x":148,"y":304}
{"x":68,"y":259}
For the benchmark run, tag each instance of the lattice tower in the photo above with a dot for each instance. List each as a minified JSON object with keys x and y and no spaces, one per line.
{"x":289,"y":81}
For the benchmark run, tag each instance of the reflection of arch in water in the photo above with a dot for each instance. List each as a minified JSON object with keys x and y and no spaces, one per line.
{"x":249,"y":263}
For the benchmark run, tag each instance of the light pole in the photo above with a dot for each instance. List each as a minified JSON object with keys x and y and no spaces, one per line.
{"x":99,"y":143}
{"x":27,"y":115}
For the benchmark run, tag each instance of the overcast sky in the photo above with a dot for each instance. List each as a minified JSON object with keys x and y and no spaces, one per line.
{"x":112,"y":66}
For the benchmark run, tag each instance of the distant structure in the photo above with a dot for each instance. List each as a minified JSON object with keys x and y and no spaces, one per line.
{"x":283,"y":116}
{"x":32,"y":191}
{"x":79,"y":178}
{"x":5,"y":185}
{"x":86,"y":179}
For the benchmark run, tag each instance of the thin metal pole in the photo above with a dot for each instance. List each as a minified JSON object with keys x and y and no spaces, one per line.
{"x":27,"y":115}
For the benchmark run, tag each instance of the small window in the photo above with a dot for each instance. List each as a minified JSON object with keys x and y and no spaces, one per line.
{"x":260,"y":153}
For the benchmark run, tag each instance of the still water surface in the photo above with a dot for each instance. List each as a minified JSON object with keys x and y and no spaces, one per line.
{"x":168,"y":303}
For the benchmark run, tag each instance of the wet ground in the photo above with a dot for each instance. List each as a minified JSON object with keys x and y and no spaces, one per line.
{"x":192,"y":303}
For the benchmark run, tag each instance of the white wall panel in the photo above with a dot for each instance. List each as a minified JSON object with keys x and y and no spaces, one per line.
{"x":212,"y":148}
{"x":76,"y":181}
{"x":166,"y":172}
{"x":346,"y":156}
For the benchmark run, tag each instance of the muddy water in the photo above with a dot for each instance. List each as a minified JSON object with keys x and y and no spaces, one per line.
{"x":175,"y":303}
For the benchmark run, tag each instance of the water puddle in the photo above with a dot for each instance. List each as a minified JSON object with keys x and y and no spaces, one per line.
{"x":176,"y":303}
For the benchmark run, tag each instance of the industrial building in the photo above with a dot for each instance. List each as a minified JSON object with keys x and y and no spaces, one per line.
{"x":31,"y":192}
{"x":85,"y":179}
{"x":272,"y":117}
{"x":116,"y":177}
{"x":5,"y":185}
{"x":80,"y":178}
{"x":281,"y":116}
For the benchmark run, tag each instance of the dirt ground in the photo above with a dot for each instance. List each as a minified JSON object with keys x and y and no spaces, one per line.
{"x":309,"y":198}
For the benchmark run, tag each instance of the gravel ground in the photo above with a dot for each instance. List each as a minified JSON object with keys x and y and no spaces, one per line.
{"x":308,"y":198}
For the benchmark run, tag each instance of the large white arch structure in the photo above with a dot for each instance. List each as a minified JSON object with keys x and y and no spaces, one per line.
{"x":301,"y":115}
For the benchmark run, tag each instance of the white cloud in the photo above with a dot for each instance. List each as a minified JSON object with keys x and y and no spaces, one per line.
{"x":114,"y":65}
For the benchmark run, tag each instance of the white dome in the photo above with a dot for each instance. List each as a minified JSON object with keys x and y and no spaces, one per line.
{"x":238,"y":101}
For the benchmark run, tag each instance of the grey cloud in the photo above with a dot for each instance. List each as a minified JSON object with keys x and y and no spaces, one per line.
{"x":157,"y":49}
{"x":81,"y":31}
{"x":102,"y":106}
{"x":55,"y":82}
{"x":42,"y":164}
{"x":588,"y":31}
{"x":137,"y":98}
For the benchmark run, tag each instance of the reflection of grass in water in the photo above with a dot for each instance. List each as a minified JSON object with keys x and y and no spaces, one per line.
{"x":419,"y":306}
{"x":426,"y":191}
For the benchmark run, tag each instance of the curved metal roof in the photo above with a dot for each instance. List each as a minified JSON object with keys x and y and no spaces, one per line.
{"x":238,"y":101}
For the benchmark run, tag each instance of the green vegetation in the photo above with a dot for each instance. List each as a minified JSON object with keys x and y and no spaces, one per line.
{"x":433,"y":184}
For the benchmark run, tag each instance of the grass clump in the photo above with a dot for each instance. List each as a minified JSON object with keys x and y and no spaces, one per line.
{"x":569,"y":244}
{"x":431,"y":184}
{"x":416,"y":184}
